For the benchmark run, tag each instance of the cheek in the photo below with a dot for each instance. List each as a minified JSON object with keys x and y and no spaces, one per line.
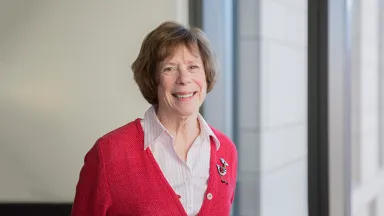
{"x":202,"y":83}
{"x":165,"y":84}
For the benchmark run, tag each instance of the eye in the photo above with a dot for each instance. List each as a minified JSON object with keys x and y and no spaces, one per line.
{"x":193,"y":67}
{"x":169,"y":70}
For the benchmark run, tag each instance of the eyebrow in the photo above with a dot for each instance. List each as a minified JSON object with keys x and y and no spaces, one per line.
{"x":175,"y":64}
{"x":170,"y":63}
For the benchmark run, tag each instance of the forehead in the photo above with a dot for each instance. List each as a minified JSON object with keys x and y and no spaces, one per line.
{"x":187,"y":53}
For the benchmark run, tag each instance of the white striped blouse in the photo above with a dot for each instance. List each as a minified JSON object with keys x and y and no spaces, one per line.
{"x":188,"y":179}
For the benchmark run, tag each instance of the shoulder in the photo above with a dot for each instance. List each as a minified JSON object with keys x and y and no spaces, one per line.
{"x":225,"y":142}
{"x":129,"y":130}
{"x":121,"y":141}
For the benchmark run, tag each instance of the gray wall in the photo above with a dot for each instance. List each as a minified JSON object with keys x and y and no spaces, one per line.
{"x":65,"y":80}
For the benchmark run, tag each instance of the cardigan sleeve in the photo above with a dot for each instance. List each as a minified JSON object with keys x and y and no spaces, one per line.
{"x":92,"y":191}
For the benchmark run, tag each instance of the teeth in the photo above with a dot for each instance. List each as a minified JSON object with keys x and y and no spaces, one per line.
{"x":184,"y":96}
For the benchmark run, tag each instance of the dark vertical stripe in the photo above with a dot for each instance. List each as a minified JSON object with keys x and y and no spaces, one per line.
{"x":318,"y":195}
{"x":196,"y":13}
{"x":235,"y":114}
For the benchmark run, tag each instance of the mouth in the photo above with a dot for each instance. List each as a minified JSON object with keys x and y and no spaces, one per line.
{"x":184,"y":95}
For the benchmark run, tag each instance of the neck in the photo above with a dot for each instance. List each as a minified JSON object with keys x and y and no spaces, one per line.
{"x":185,"y":127}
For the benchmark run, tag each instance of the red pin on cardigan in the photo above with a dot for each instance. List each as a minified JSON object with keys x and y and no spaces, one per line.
{"x":222,"y":170}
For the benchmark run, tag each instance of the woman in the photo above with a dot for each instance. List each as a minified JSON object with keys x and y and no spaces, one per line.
{"x":171,"y":162}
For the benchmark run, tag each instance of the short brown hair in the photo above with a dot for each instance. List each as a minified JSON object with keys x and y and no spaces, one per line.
{"x":159,"y":44}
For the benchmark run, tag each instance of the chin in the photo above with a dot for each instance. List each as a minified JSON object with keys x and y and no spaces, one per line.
{"x":187,"y":111}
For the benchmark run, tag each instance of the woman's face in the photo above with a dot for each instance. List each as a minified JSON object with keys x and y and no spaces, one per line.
{"x":182,"y":83}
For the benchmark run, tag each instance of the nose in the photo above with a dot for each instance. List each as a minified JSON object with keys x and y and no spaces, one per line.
{"x":184,"y":77}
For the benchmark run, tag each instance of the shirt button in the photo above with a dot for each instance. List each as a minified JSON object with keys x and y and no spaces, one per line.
{"x":209,"y":196}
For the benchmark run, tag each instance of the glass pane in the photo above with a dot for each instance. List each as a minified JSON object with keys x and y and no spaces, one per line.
{"x":366,"y":103}
{"x":269,"y":103}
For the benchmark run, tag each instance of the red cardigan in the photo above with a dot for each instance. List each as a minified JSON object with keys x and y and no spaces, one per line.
{"x":120,"y":178}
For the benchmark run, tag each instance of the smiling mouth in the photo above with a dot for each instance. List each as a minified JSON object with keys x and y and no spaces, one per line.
{"x":184,"y":95}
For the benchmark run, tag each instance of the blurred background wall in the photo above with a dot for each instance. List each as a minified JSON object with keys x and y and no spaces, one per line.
{"x":65,"y":80}
{"x":272,"y":107}
{"x":366,"y":80}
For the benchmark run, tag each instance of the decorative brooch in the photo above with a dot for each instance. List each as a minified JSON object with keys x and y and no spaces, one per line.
{"x":222,"y":170}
